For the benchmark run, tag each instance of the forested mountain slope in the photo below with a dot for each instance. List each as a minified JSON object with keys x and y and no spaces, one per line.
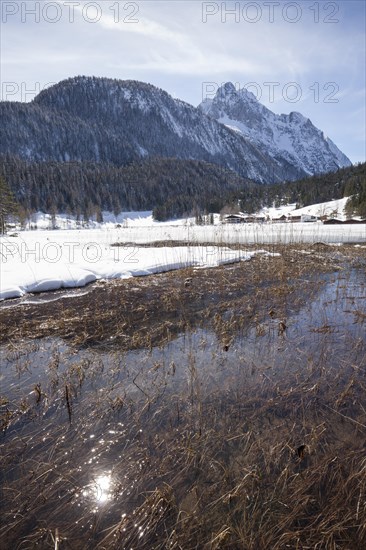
{"x":119,"y":122}
{"x":172,"y":187}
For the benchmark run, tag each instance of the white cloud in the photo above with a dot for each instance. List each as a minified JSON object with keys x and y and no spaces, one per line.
{"x":170,"y":47}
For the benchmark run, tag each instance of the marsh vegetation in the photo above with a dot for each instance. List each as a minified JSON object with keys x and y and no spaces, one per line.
{"x":202,"y":409}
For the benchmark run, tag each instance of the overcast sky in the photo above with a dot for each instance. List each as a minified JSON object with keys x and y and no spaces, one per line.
{"x":304,"y":56}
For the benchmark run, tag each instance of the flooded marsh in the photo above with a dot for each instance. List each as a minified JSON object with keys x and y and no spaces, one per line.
{"x":201,"y":409}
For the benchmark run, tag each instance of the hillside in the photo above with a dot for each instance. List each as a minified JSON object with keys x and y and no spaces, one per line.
{"x":100,"y":120}
{"x":292,"y":137}
{"x":90,"y":144}
{"x":170,"y":187}
{"x":116,"y":122}
{"x":312,"y":190}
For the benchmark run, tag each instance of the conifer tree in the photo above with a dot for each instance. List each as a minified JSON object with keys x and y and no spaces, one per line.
{"x":8,"y":205}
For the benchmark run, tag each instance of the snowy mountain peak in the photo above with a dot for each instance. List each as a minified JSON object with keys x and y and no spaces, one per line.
{"x":229,"y":92}
{"x":287,"y":138}
{"x":227,"y":89}
{"x":297,"y":117}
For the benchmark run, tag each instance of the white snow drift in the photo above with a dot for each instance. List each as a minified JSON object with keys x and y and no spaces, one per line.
{"x":44,"y":261}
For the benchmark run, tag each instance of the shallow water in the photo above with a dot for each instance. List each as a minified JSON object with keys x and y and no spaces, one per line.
{"x":81,"y":427}
{"x":332,"y":324}
{"x":46,"y":297}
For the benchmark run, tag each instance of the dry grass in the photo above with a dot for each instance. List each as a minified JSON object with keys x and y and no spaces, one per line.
{"x":214,"y":448}
{"x":146,"y":312}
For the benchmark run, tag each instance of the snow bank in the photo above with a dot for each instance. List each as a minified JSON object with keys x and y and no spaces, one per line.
{"x":38,"y":261}
{"x":44,"y":261}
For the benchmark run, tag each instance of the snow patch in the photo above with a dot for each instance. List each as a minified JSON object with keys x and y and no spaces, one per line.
{"x":35,"y":264}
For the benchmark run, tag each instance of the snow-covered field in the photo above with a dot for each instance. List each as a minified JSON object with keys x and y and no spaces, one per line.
{"x":247,"y":233}
{"x":40,"y":261}
{"x":36,"y":261}
{"x":45,"y":259}
{"x":110,"y":221}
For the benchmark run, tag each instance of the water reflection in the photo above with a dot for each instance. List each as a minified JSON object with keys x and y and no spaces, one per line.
{"x":125,"y":415}
{"x":100,"y":490}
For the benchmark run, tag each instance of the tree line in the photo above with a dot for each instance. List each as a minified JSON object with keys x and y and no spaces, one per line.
{"x":344,"y":182}
{"x":171,"y":188}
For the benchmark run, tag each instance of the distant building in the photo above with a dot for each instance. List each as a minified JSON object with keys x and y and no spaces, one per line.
{"x":282,"y":218}
{"x":308,"y":218}
{"x":255,"y":219}
{"x":234,"y":218}
{"x":332,"y":221}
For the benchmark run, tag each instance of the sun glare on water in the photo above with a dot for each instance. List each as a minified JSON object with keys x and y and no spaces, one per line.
{"x":100,"y":490}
